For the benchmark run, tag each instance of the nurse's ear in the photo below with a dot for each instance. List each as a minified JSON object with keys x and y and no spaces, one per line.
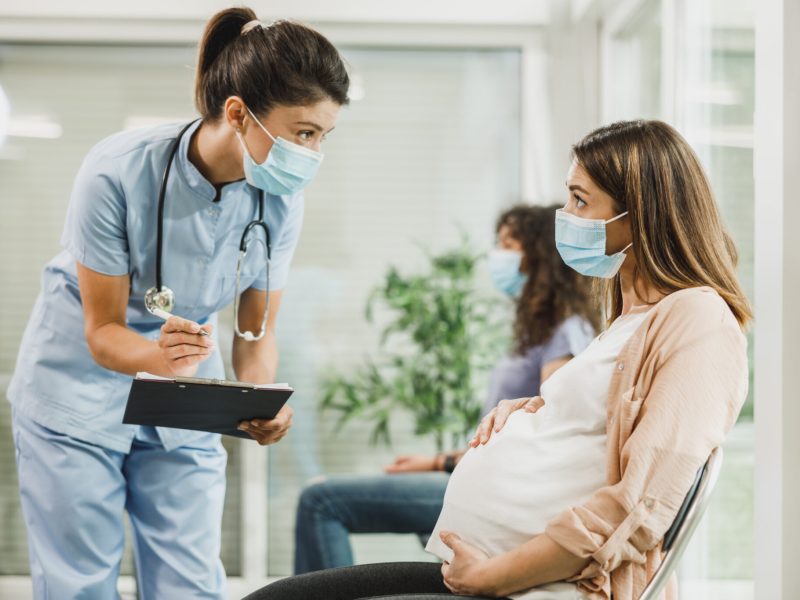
{"x":235,"y":112}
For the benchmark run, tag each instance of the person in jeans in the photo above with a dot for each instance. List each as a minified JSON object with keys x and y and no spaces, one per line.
{"x":568,"y":495}
{"x":555,"y":320}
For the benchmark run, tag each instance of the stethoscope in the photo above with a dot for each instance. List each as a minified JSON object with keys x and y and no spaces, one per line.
{"x":161,"y":299}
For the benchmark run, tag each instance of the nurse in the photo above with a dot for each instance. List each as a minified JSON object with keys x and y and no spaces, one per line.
{"x":156,"y":220}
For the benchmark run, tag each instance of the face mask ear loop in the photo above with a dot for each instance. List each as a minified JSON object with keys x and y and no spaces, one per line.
{"x":619,"y":216}
{"x":626,"y":248}
{"x":260,"y":124}
{"x":241,"y":141}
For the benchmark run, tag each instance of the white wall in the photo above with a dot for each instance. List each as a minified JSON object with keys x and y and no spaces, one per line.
{"x":559,"y":68}
{"x":777,"y":351}
{"x":497,"y":12}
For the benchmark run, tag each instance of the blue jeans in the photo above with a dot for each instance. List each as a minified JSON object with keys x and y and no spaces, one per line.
{"x":329,"y":511}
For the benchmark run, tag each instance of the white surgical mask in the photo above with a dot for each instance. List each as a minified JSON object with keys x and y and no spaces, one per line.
{"x":504,"y":271}
{"x":287,"y":169}
{"x":582,"y":245}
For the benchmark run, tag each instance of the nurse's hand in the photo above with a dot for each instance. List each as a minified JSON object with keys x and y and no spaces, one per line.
{"x":266,"y":431}
{"x":182,"y":346}
{"x":497,"y":417}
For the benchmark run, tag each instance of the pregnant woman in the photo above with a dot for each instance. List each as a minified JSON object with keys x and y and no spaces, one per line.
{"x":570,"y":496}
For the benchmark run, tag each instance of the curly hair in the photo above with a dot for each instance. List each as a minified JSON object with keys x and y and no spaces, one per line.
{"x":553,"y":291}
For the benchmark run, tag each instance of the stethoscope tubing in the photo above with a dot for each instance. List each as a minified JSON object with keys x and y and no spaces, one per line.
{"x":162,"y":193}
{"x":164,"y":294}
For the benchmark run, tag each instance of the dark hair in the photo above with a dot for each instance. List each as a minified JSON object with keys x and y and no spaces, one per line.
{"x":679,"y":239}
{"x":284,"y":63}
{"x":553,"y":291}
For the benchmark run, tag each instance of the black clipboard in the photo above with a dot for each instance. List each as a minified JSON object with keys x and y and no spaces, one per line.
{"x":213,"y":405}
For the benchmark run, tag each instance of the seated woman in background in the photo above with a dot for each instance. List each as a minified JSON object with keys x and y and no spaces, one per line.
{"x":556,"y":318}
{"x":573,"y":502}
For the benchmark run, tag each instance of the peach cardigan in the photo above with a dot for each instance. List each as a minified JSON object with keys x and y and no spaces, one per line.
{"x":677,"y":388}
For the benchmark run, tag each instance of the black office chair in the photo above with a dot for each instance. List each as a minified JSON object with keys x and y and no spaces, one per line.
{"x":688,"y":518}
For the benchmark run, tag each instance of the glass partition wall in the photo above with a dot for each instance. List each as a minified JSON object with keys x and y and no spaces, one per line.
{"x":428,"y":151}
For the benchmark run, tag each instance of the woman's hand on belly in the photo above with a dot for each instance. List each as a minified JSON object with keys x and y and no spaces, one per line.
{"x":467,"y":571}
{"x":497,"y":417}
{"x":538,"y":561}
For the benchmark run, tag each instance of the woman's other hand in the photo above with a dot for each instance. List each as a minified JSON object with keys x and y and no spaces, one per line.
{"x":412,"y":463}
{"x":467,"y":571}
{"x":269,"y":431}
{"x":182,"y":346}
{"x":497,"y":417}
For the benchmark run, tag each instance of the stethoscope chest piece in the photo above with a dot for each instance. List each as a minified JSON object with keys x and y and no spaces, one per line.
{"x":163,"y":299}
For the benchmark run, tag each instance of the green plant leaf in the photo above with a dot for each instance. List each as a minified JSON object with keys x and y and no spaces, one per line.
{"x":438,"y":339}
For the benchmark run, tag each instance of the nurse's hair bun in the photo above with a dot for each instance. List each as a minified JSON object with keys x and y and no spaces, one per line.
{"x":222,"y":29}
{"x":283,"y":63}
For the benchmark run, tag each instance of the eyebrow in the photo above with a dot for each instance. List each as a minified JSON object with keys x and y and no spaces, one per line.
{"x":313,"y":125}
{"x":575,"y":186}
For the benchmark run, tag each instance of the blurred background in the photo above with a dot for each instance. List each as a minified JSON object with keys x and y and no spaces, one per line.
{"x":459,"y":110}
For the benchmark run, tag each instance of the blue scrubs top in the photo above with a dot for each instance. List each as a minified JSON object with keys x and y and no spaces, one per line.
{"x":111,"y":228}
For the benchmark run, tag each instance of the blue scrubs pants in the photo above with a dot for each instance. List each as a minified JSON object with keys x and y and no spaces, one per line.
{"x":73,"y":497}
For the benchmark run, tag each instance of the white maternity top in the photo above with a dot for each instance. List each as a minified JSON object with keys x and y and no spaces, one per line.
{"x":504,"y":493}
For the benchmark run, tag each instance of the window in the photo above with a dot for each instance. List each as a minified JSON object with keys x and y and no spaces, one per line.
{"x":715,"y":105}
{"x":430,"y":144}
{"x":700,"y":55}
{"x":633,"y":62}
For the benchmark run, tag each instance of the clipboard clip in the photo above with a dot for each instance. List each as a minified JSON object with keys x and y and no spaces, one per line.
{"x":223,"y":382}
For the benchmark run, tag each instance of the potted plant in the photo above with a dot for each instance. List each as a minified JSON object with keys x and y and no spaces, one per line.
{"x":434,"y":353}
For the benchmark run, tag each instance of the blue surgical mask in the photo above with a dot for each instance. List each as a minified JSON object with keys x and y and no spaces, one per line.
{"x":504,"y":271}
{"x":287,"y":169}
{"x":582,"y":245}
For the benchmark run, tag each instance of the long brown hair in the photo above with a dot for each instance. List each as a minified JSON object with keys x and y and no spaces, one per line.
{"x":553,"y":292}
{"x":678,"y":237}
{"x":283,"y":63}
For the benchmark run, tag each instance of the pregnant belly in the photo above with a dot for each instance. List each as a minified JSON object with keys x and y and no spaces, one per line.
{"x":505,"y":492}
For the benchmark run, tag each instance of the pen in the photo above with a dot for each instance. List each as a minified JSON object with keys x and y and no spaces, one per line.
{"x":162,"y":314}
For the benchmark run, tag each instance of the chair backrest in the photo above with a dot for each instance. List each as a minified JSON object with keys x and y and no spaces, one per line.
{"x":678,"y":535}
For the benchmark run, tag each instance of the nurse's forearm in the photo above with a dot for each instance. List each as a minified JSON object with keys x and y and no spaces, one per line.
{"x":536,"y":562}
{"x":118,"y":348}
{"x":256,"y":362}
